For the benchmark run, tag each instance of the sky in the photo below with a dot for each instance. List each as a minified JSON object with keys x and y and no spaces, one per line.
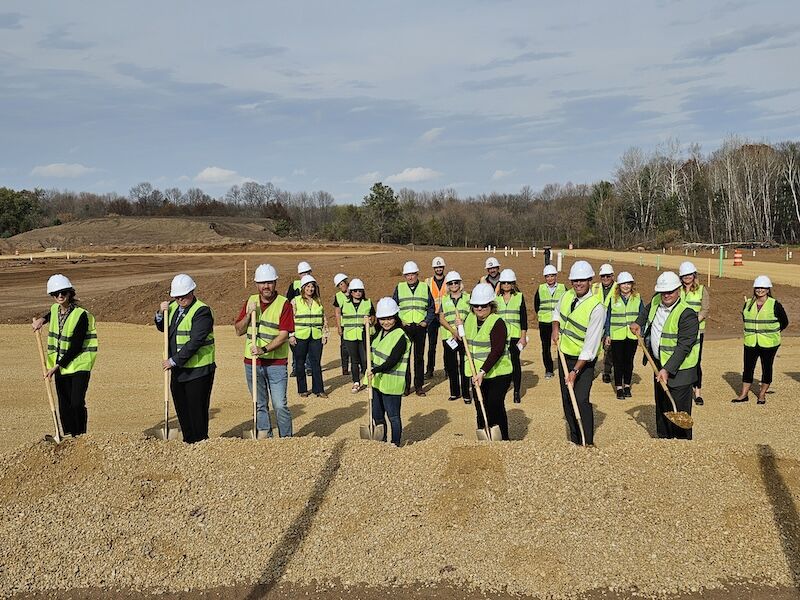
{"x":473,"y":95}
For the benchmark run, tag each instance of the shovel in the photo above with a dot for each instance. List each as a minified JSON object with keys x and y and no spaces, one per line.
{"x":571,"y":391}
{"x":56,"y":420}
{"x":166,"y":433}
{"x":680,"y":418}
{"x":371,"y":431}
{"x":253,"y":433}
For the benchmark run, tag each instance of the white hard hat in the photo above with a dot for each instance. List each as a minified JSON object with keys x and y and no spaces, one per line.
{"x":307,"y":279}
{"x":624,"y":277}
{"x":762,"y":281}
{"x":483,"y":293}
{"x":667,"y":282}
{"x":386,"y":308}
{"x":606,"y":269}
{"x":492,"y":262}
{"x":452,"y":276}
{"x":339,"y":278}
{"x":265,"y":273}
{"x":581,"y":270}
{"x":687,"y":268}
{"x":356,"y":284}
{"x":58,"y":282}
{"x":438,"y":262}
{"x":410,"y":267}
{"x":303,"y":267}
{"x":550,"y":270}
{"x":507,"y":276}
{"x":182,"y":284}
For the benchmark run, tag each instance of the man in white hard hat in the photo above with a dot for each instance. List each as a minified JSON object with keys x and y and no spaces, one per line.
{"x":578,"y":321}
{"x":190,"y":332}
{"x":604,"y":290}
{"x":303,"y":268}
{"x":492,"y":276}
{"x":417,"y":310}
{"x":342,"y":283}
{"x":696,"y":295}
{"x":274,"y":326}
{"x":545,"y":300}
{"x":670,"y":333}
{"x":438,"y":289}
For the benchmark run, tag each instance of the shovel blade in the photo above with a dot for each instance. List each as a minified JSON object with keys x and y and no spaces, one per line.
{"x":681,"y":419}
{"x":379,"y":433}
{"x":248,"y":433}
{"x":263,"y":434}
{"x":364,"y":432}
{"x":494,"y":434}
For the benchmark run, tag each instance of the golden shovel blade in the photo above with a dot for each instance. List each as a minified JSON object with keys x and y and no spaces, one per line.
{"x":681,"y":419}
{"x":494,"y":434}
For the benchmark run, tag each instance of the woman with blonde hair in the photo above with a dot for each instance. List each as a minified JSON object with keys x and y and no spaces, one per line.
{"x":310,"y":334}
{"x":695,"y":294}
{"x":624,"y":308}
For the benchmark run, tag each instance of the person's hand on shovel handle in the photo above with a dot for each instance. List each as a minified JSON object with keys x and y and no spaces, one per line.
{"x":51,"y":372}
{"x":662,"y":376}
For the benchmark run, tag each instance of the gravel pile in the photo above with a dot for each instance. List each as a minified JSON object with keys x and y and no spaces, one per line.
{"x":546,"y":519}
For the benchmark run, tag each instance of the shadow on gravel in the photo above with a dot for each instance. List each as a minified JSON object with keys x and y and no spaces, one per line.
{"x":324,"y":424}
{"x":645,"y":416}
{"x":420,"y":427}
{"x":297,"y":531}
{"x":529,"y":381}
{"x":794,"y":375}
{"x":236,"y":431}
{"x":518,"y":424}
{"x":734,"y":380}
{"x":156,"y":429}
{"x":784,"y":510}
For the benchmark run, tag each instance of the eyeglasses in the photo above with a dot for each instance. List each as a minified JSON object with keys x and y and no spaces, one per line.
{"x":480,"y":305}
{"x":64,"y":293}
{"x":604,"y":276}
{"x":182,"y":297}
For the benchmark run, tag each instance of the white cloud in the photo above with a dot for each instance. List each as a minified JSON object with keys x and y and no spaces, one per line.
{"x":297,"y":172}
{"x":368,"y":178}
{"x":431,"y":135}
{"x":277,"y":179}
{"x":184,"y":178}
{"x":545,"y":167}
{"x":218,"y":176}
{"x":413,"y":175}
{"x":61,"y":170}
{"x":500,"y":174}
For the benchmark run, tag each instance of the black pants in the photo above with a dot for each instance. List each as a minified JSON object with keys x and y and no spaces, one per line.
{"x":357,"y":351}
{"x":622,"y":353}
{"x":545,"y":333}
{"x":683,"y":402}
{"x":433,"y":340}
{"x":71,"y":392}
{"x":344,"y":355}
{"x":751,"y":356}
{"x":192,"y":400}
{"x":699,"y":383}
{"x":516,"y":373}
{"x":417,"y":335}
{"x":494,"y":397}
{"x":454,"y":366}
{"x":608,"y":362}
{"x":582,"y":389}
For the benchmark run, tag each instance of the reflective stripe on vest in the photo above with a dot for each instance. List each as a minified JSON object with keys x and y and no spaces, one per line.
{"x":353,"y":319}
{"x":413,"y":306}
{"x":761,"y":327}
{"x":510,"y":313}
{"x":204,"y":356}
{"x":547,"y":302}
{"x":597,"y":290}
{"x":669,"y":334}
{"x":308,"y":320}
{"x":622,"y":315}
{"x":58,"y":342}
{"x":480,"y":345}
{"x":449,"y":312}
{"x":695,"y":301}
{"x":393,"y":382}
{"x":573,"y":324}
{"x":268,"y":323}
{"x":341,"y":298}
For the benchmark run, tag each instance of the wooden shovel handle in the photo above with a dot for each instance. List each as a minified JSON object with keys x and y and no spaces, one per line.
{"x":56,"y":420}
{"x":571,"y":391}
{"x":652,"y":364}
{"x":368,"y":342}
{"x":167,"y":374}
{"x":478,"y":393}
{"x":254,"y":368}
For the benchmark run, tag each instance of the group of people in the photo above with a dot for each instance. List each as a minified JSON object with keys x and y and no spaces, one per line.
{"x":483,"y":333}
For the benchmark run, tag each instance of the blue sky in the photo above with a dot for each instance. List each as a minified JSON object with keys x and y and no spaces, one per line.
{"x":475,"y":95}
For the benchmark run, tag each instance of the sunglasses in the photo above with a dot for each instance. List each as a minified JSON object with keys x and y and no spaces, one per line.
{"x":64,"y":293}
{"x":604,"y":276}
{"x":454,"y":283}
{"x":480,"y":306}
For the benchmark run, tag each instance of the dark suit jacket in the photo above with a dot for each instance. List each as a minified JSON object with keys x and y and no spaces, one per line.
{"x":688,"y":328}
{"x":202,"y":325}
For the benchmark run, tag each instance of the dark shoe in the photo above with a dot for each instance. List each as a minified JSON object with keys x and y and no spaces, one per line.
{"x":407,"y":392}
{"x":305,"y":394}
{"x":292,"y":374}
{"x":745,"y":399}
{"x":308,"y":372}
{"x":606,"y":378}
{"x":452,"y":398}
{"x":548,"y":375}
{"x":620,"y":394}
{"x":421,"y":392}
{"x":627,"y":391}
{"x":322,"y":395}
{"x":699,"y":401}
{"x":761,"y":401}
{"x":467,"y":400}
{"x":517,"y":398}
{"x":345,"y":371}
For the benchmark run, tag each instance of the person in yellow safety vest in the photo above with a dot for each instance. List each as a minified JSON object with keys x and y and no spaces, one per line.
{"x":390,"y":349}
{"x":417,"y":310}
{"x":696,"y":295}
{"x":353,"y":312}
{"x":340,"y":281}
{"x":603,"y":290}
{"x":274,"y":327}
{"x":438,"y":289}
{"x":511,"y":308}
{"x":487,"y":336}
{"x":626,"y":306}
{"x":303,"y":268}
{"x":310,"y":335}
{"x":547,"y":296}
{"x":578,"y":320}
{"x":764,"y":320}
{"x":71,"y":352}
{"x":670,"y":332}
{"x":455,"y":304}
{"x":190,"y":332}
{"x":492,"y":276}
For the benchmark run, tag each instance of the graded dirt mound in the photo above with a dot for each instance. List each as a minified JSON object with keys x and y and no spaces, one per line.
{"x":654,"y":518}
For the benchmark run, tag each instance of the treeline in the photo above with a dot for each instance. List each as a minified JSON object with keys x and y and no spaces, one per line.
{"x":741,"y":192}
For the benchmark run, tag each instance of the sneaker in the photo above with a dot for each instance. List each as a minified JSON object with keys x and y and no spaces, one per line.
{"x":548,"y":375}
{"x":467,"y":400}
{"x":627,"y":391}
{"x":356,"y":388}
{"x":761,"y":401}
{"x":620,"y":394}
{"x":606,"y":378}
{"x":305,"y":394}
{"x":699,"y":401}
{"x":322,"y":395}
{"x":517,"y":398}
{"x":452,"y":398}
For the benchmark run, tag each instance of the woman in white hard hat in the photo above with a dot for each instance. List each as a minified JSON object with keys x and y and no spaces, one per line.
{"x":604,"y":290}
{"x":455,"y":308}
{"x":354,"y":310}
{"x":191,"y":356}
{"x":417,"y":310}
{"x":341,"y":282}
{"x":546,"y":299}
{"x":696,"y":295}
{"x":71,"y":352}
{"x":437,"y":287}
{"x":764,"y":320}
{"x":310,"y":335}
{"x":303,"y":268}
{"x":625,"y":308}
{"x":511,"y":308}
{"x":391,"y":349}
{"x":487,"y":336}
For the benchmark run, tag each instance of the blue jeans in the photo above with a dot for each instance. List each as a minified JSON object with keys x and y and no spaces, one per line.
{"x":384,"y":405}
{"x":309,"y":351}
{"x":275,"y":379}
